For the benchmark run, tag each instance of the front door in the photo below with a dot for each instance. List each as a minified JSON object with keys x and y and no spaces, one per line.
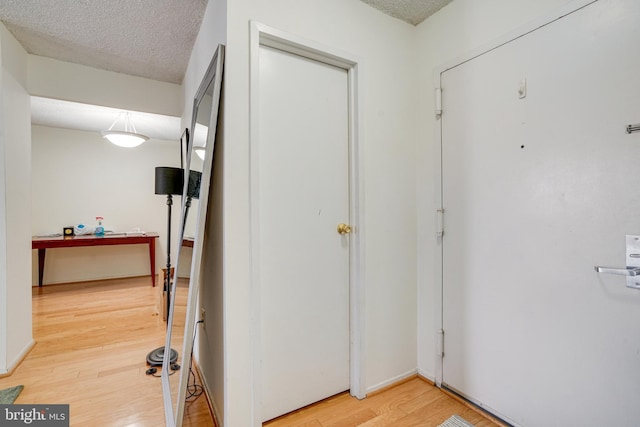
{"x":540,"y":184}
{"x":304,"y":261}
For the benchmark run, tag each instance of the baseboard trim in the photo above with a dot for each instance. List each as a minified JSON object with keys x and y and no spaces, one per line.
{"x":426,"y":379}
{"x":212,"y":406}
{"x":475,"y":408}
{"x":392,"y":382}
{"x":100,"y":279}
{"x":23,"y":354}
{"x":423,"y":376}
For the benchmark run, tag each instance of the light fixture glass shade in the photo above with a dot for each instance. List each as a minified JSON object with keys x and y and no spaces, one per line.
{"x":128,"y":137}
{"x":200,"y":151}
{"x":124,"y":139}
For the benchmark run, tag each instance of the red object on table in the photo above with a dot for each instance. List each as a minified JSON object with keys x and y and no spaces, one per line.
{"x":44,"y":243}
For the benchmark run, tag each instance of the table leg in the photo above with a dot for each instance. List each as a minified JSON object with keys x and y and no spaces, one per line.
{"x":152,"y":260}
{"x":41,"y":255}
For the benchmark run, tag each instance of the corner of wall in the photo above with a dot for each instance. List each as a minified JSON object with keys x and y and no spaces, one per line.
{"x":3,"y":231}
{"x":211,"y":347}
{"x":15,"y":208}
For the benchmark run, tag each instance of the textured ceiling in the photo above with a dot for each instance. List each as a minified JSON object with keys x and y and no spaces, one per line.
{"x":411,"y":11}
{"x":147,"y":38}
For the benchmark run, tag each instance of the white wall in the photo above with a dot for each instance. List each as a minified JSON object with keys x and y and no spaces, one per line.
{"x":211,"y":337}
{"x":399,"y":166}
{"x":3,"y":213}
{"x":15,"y":205}
{"x":78,"y":175}
{"x":51,"y":78}
{"x":460,"y":27}
{"x":209,"y":348}
{"x":387,"y":47}
{"x":83,"y":176}
{"x":213,"y":31}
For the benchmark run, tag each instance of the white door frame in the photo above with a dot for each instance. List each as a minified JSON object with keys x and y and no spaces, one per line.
{"x":560,"y":13}
{"x":263,"y":35}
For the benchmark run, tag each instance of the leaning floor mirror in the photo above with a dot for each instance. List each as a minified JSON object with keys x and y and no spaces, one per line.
{"x":198,"y":173}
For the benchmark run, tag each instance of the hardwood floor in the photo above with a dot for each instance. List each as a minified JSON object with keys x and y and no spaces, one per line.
{"x":91,"y":345}
{"x":412,"y":403}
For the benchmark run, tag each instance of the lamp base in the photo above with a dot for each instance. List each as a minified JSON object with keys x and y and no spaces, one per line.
{"x":154,"y":358}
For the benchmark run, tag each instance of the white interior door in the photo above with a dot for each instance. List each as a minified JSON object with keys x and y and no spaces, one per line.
{"x":537,"y":190}
{"x":304,"y":262}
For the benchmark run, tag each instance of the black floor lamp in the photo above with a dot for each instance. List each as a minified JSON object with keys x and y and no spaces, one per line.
{"x":169,"y":182}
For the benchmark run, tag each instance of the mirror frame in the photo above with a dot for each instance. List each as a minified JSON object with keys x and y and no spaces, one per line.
{"x":184,"y":149}
{"x":213,"y":76}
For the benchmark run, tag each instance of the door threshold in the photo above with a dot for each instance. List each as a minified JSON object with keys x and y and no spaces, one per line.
{"x":453,"y":393}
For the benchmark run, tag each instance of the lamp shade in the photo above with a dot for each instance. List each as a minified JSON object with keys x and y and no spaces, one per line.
{"x":169,"y":180}
{"x":194,"y":184}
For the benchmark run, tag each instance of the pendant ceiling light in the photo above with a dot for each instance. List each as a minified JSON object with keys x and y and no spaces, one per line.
{"x":128,"y":137}
{"x":200,"y":152}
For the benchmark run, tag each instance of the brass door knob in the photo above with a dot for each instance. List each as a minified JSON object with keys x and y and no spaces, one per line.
{"x":344,"y":229}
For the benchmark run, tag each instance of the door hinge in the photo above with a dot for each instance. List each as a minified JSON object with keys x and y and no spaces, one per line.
{"x":441,"y":343}
{"x":438,"y":96}
{"x":440,"y":222}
